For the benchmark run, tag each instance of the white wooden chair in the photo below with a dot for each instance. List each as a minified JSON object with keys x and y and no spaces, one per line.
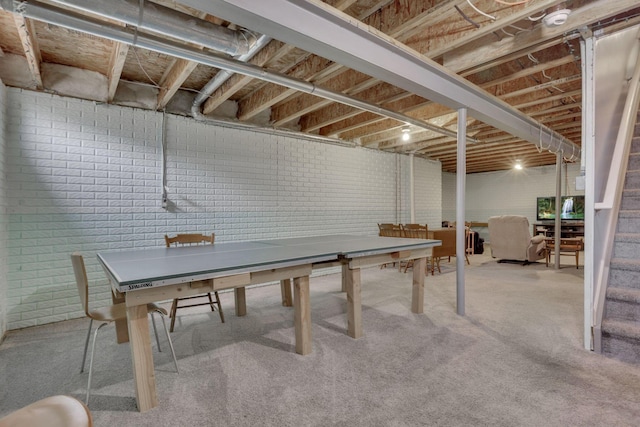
{"x":106,"y":315}
{"x":53,"y":411}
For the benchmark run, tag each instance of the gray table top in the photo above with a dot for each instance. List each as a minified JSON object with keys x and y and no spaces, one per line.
{"x":133,"y":269}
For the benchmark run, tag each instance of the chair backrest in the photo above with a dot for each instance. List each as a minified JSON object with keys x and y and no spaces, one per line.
{"x":81,"y":280}
{"x":509,"y":236}
{"x":448,"y":238}
{"x":415,"y":231}
{"x":189,"y":239}
{"x":390,"y":230}
{"x":54,"y":411}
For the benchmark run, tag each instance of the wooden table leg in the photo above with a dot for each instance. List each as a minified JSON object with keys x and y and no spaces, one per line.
{"x":141,"y":357}
{"x":417,"y":294}
{"x":354,"y":302}
{"x":241,"y":301}
{"x":285,"y":290}
{"x":122,"y":331}
{"x":345,"y":273}
{"x":302,"y":316}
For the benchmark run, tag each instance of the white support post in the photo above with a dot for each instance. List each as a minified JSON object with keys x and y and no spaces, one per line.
{"x":587,"y":47}
{"x":558,"y":220}
{"x":461,"y":177}
{"x":412,"y":191}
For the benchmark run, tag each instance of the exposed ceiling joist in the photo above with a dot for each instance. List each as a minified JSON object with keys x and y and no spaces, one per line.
{"x":323,"y":30}
{"x":116,"y":63}
{"x":31,"y":48}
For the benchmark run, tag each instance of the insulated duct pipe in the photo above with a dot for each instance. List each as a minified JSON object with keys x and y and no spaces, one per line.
{"x":223,"y":76}
{"x":64,"y":18}
{"x":165,"y":21}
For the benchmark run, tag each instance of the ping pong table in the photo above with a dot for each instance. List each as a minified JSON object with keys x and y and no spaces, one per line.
{"x":158,"y":274}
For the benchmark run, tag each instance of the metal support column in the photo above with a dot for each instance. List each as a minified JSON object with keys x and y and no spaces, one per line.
{"x":461,"y":177}
{"x":558,"y":221}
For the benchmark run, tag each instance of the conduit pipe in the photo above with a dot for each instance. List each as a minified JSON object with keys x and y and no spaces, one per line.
{"x":67,"y":19}
{"x":223,"y":76}
{"x":165,"y":21}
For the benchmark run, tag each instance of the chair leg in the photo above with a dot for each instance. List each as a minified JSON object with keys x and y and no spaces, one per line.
{"x":86,"y":345}
{"x":155,"y":332}
{"x":211,"y":302}
{"x":173,"y":353}
{"x":219,"y":307}
{"x":174,"y":308}
{"x":93,"y":352}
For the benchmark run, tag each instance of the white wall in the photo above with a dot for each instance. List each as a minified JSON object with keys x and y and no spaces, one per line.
{"x":428,"y":192}
{"x":3,"y":216}
{"x":87,"y":177}
{"x":509,"y":192}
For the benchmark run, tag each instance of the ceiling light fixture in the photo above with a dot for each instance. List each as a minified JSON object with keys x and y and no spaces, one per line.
{"x":556,"y":18}
{"x":405,"y":133}
{"x":518,"y":165}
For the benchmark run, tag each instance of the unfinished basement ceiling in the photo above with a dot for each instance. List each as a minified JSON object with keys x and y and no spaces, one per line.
{"x":506,"y":48}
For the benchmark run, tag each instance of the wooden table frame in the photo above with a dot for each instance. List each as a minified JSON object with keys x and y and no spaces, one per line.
{"x":137,"y":327}
{"x":568,"y":246}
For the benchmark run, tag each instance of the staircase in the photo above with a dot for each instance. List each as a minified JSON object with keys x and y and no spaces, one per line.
{"x":621,"y":321}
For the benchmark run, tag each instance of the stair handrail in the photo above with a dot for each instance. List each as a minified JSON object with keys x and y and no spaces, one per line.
{"x":612,"y":197}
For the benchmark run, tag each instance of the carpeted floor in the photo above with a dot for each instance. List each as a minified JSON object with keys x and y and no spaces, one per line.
{"x":515,"y":359}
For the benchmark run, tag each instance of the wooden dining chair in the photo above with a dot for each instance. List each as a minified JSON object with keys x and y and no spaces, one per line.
{"x":193,"y":239}
{"x":390,"y":230}
{"x":106,"y":315}
{"x":414,"y":231}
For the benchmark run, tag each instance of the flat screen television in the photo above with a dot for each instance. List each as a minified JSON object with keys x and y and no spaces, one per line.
{"x":572,"y":208}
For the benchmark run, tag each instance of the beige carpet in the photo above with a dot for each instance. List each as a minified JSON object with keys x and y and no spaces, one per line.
{"x":515,"y":359}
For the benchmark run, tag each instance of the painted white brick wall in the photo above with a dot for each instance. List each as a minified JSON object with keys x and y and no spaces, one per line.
{"x":428,"y":192}
{"x":508,"y":192}
{"x":86,"y":177}
{"x":3,"y":215}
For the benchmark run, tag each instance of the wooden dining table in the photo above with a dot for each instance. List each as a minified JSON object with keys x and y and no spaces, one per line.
{"x":159,"y":274}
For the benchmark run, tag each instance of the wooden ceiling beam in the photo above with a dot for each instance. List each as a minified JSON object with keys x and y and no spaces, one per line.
{"x":505,"y":16}
{"x":311,"y":68}
{"x":413,"y":13}
{"x":560,"y":96}
{"x":179,"y":71}
{"x":502,"y":155}
{"x":271,"y":53}
{"x":436,"y":45}
{"x":116,"y":63}
{"x":383,"y":94}
{"x":543,"y":86}
{"x":31,"y":48}
{"x":236,"y":82}
{"x":467,"y":56}
{"x":367,"y":119}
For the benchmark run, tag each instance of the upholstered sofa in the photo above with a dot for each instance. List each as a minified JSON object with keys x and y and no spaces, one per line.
{"x":510,"y":239}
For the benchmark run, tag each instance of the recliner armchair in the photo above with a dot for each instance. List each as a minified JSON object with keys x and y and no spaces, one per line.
{"x":510,"y":239}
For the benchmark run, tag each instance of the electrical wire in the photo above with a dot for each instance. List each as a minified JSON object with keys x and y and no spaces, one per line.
{"x":537,"y":18}
{"x":466,"y":18}
{"x":135,"y":52}
{"x":512,"y":3}
{"x":493,"y":18}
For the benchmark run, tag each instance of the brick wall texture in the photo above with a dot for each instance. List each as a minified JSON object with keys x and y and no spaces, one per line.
{"x":81,"y":176}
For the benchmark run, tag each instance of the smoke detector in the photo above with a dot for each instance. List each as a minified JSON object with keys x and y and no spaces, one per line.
{"x":557,"y":17}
